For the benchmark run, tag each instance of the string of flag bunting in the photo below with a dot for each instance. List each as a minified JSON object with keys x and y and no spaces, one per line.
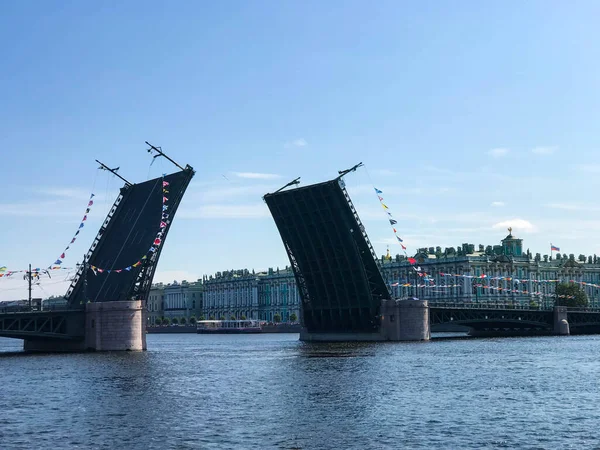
{"x":393,"y":223}
{"x":157,"y":240}
{"x":483,"y":286}
{"x":35,"y":273}
{"x":5,"y":273}
{"x":62,"y":256}
{"x":521,"y":280}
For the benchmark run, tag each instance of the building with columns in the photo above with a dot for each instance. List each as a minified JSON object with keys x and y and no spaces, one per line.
{"x":241,"y":293}
{"x":175,"y":300}
{"x":155,"y":303}
{"x":480,"y":273}
{"x":501,"y":273}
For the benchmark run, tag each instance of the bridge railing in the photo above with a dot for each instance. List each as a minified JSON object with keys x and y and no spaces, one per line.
{"x":489,"y":303}
{"x":495,"y":303}
{"x":584,"y":309}
{"x":27,"y":309}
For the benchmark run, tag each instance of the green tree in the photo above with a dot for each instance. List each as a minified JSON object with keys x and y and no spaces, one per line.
{"x":232,"y":317}
{"x":572,"y":290}
{"x":158,"y":321}
{"x":192,"y":320}
{"x":182,"y":321}
{"x":202,"y":317}
{"x":533,"y":304}
{"x":276,"y":318}
{"x":242,"y":317}
{"x":175,"y":321}
{"x":211,"y":318}
{"x":293,"y":317}
{"x":166,"y":321}
{"x":222,"y":318}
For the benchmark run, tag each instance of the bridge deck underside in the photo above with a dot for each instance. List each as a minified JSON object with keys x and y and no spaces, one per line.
{"x":64,"y":325}
{"x":584,"y":322}
{"x":340,"y":285}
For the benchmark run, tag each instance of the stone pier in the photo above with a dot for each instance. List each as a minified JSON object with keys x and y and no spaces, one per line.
{"x":115,"y":326}
{"x":561,"y":324}
{"x":105,"y":326}
{"x":401,"y":320}
{"x":405,"y":320}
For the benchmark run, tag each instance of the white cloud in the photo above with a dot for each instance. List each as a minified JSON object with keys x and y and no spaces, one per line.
{"x":498,"y":203}
{"x":257,"y":211}
{"x":256,"y":175}
{"x":517,"y":224}
{"x":544,"y":150}
{"x":296,"y":143}
{"x":498,"y":152}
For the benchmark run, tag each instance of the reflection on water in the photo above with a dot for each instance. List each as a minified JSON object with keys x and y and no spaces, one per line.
{"x":272,"y":391}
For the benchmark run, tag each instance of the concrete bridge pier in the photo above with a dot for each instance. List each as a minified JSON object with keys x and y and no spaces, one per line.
{"x":115,"y":326}
{"x":561,"y":324}
{"x":405,"y":320}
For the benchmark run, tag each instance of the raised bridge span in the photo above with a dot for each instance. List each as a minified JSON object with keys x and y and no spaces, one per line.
{"x":106,"y":301}
{"x":343,"y":293}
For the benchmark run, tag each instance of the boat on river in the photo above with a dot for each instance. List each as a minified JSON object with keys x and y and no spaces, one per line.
{"x":228,"y":326}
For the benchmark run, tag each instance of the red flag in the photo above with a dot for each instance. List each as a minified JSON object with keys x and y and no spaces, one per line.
{"x":165,"y":183}
{"x":412,"y":260}
{"x":403,"y":247}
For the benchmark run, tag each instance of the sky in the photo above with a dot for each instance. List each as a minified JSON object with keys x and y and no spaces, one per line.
{"x":469,"y":116}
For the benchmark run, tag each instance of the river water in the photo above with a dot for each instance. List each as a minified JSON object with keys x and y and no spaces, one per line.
{"x":272,"y":391}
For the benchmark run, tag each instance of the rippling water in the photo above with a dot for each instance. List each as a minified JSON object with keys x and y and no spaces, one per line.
{"x":272,"y":391}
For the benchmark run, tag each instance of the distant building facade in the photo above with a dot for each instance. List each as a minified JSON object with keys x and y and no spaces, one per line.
{"x":155,"y":303}
{"x":175,"y":301}
{"x":241,"y":293}
{"x":481,"y":267}
{"x":262,"y":296}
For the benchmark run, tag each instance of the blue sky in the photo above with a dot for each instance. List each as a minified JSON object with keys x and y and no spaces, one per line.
{"x":470,"y":116}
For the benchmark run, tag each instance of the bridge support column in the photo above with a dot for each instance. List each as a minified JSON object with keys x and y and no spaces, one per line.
{"x":115,"y":326}
{"x":405,"y":320}
{"x":561,"y":325}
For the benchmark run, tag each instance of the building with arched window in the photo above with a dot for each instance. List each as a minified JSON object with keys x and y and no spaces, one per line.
{"x":262,"y":296}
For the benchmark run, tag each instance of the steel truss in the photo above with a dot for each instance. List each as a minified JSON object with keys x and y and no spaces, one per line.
{"x":47,"y":325}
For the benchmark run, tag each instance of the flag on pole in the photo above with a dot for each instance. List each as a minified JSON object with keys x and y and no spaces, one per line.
{"x":554,"y":248}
